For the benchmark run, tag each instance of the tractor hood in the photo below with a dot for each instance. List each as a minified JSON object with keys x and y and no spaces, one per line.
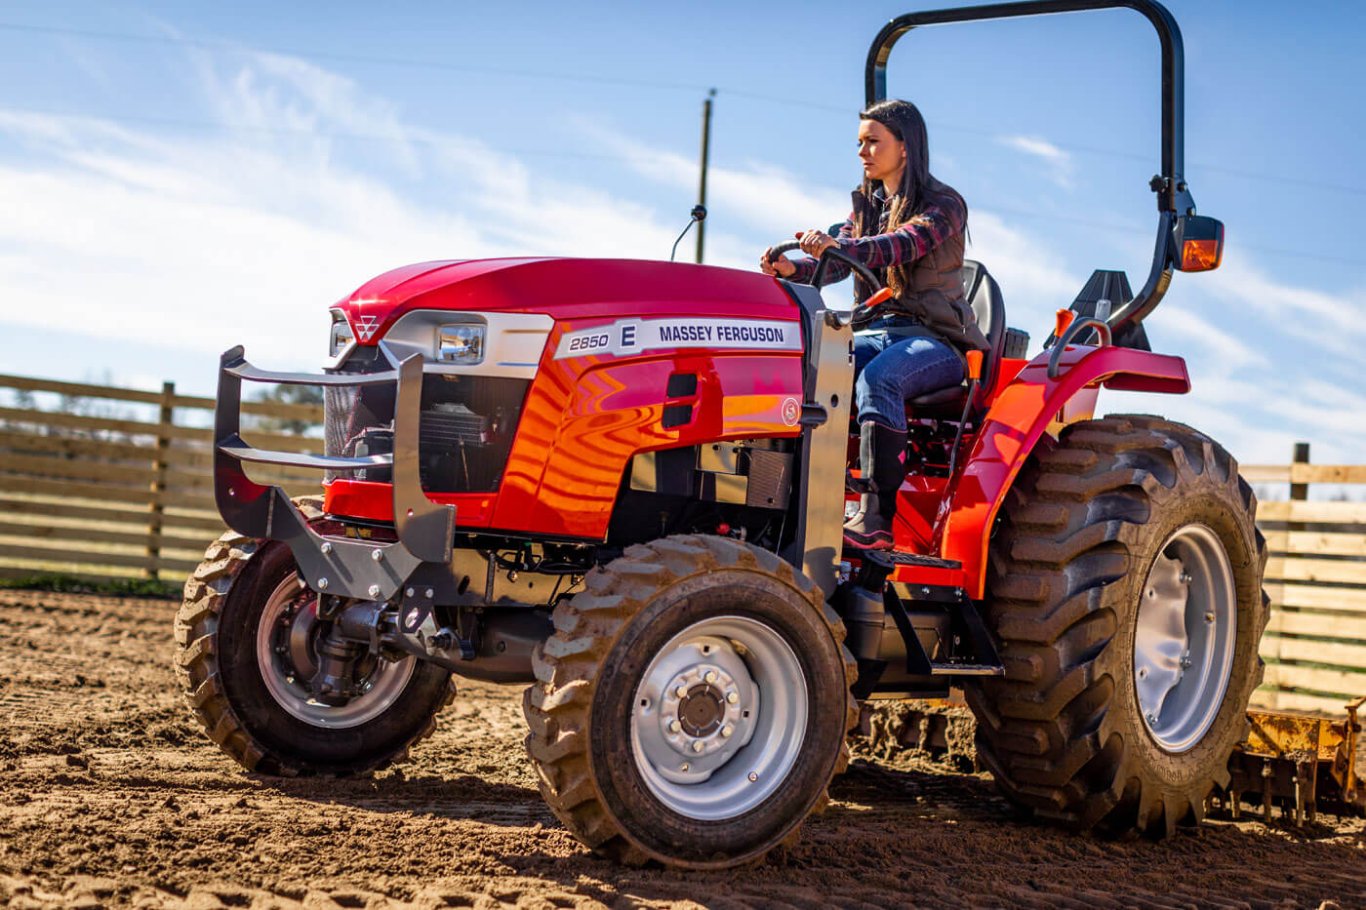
{"x":562,"y":289}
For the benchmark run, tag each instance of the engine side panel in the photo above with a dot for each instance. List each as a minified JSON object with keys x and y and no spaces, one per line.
{"x":586,"y":417}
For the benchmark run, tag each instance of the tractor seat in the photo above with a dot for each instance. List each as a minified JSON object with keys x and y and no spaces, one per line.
{"x":984,"y":296}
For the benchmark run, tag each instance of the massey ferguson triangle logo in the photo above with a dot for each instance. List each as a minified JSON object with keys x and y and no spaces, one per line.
{"x":366,"y":326}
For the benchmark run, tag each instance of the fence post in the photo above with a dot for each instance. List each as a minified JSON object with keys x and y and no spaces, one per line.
{"x":1299,"y":492}
{"x":155,"y":509}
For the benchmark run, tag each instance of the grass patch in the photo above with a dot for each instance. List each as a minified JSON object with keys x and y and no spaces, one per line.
{"x":72,"y":584}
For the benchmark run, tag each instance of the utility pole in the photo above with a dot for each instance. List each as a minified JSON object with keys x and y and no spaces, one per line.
{"x":702,"y":185}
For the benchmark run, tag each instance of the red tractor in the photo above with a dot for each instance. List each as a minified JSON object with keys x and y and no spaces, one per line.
{"x":623,"y":482}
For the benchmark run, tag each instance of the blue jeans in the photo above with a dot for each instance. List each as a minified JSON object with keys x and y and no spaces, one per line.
{"x":891,"y":368}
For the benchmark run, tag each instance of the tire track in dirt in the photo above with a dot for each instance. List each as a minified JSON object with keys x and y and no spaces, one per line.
{"x":111,"y":796}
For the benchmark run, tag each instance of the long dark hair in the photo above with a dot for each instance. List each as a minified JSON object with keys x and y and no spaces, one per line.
{"x":919,"y":188}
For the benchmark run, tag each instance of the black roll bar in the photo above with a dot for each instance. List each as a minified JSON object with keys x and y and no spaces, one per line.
{"x":1174,"y":200}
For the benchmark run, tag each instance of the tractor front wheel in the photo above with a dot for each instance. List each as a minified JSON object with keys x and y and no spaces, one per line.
{"x":692,"y":705}
{"x":248,"y":635}
{"x":1124,"y":589}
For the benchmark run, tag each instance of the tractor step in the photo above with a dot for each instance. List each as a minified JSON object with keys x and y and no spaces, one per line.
{"x":919,"y":561}
{"x":953,"y":669}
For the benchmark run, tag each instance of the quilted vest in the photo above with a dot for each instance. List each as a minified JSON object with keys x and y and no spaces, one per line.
{"x":933,"y":285}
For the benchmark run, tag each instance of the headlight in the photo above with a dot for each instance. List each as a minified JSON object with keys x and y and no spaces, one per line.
{"x":460,"y":343}
{"x":341,"y":333}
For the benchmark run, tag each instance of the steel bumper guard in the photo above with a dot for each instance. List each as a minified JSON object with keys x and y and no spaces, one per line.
{"x":331,"y":565}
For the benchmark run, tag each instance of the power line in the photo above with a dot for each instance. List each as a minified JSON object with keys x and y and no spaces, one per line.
{"x":208,"y":126}
{"x":1134,"y":230}
{"x":575,"y":155}
{"x":349,"y":58}
{"x":1274,"y":179}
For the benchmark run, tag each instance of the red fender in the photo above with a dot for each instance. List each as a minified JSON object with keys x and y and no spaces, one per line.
{"x":1018,"y":417}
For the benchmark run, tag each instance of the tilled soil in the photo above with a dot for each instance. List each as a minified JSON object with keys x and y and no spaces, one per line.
{"x":111,"y":796}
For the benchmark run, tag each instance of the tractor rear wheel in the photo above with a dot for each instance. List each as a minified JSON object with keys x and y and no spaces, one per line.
{"x":248,"y":633}
{"x":691,"y":706}
{"x":1124,"y":588}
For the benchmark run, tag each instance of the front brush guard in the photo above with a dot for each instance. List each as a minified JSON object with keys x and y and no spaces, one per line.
{"x":341,"y":566}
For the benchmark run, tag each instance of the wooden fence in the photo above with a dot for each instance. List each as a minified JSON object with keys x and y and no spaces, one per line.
{"x":104,"y":482}
{"x":1315,"y":643}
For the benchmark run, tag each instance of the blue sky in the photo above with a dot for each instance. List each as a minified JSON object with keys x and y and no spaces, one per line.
{"x":176,"y":178}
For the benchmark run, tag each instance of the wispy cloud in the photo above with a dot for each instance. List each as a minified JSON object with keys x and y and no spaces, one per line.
{"x":771,"y":204}
{"x":195,"y":242}
{"x":1060,"y":168}
{"x":1335,"y":323}
{"x":130,"y":235}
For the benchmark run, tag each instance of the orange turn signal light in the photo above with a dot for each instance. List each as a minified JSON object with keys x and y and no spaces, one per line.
{"x":881,"y":296}
{"x":1199,"y":243}
{"x":974,"y":365}
{"x":1063,"y":322}
{"x":1200,"y":255}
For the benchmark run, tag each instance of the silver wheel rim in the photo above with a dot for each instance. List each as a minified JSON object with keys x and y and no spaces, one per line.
{"x":285,"y":642}
{"x":1185,"y":636}
{"x":719,"y":718}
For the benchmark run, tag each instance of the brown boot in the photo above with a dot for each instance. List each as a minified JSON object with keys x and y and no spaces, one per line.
{"x":882,"y":453}
{"x":868,"y":530}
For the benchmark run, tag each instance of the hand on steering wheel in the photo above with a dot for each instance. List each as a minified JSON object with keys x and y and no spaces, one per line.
{"x":824,"y":248}
{"x":774,"y":263}
{"x":813,"y":242}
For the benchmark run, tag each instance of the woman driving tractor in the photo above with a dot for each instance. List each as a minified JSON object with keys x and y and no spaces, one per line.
{"x":908,"y":228}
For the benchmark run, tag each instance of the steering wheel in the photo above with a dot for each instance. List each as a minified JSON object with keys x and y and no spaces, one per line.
{"x":880,"y":294}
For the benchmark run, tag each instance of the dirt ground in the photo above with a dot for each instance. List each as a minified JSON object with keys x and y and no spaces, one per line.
{"x":111,"y":796}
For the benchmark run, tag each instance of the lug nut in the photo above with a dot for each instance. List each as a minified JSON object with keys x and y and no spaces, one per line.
{"x":684,"y":767}
{"x":1151,"y":717}
{"x":1209,"y":617}
{"x":732,"y":698}
{"x":408,"y":593}
{"x":709,"y":676}
{"x":753,"y":777}
{"x":374,"y":590}
{"x":727,"y":730}
{"x":681,"y":691}
{"x":698,"y":745}
{"x":430,"y":593}
{"x":674,"y":726}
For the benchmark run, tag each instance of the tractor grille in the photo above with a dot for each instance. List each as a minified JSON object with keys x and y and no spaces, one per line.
{"x":450,"y":424}
{"x":466,"y":428}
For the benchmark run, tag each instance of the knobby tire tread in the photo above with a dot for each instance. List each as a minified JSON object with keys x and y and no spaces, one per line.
{"x":558,"y":705}
{"x":196,"y":629}
{"x":1063,"y":542}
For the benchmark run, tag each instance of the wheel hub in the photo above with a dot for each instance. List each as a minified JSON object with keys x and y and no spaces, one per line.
{"x":701,"y":703}
{"x":299,"y":640}
{"x":1184,"y":638}
{"x":701,"y":711}
{"x":288,"y":641}
{"x":719,"y":717}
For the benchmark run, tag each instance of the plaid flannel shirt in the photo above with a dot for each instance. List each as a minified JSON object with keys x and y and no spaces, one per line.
{"x":907,"y":243}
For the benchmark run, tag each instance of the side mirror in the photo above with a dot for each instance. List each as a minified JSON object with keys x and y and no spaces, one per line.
{"x":1199,"y":242}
